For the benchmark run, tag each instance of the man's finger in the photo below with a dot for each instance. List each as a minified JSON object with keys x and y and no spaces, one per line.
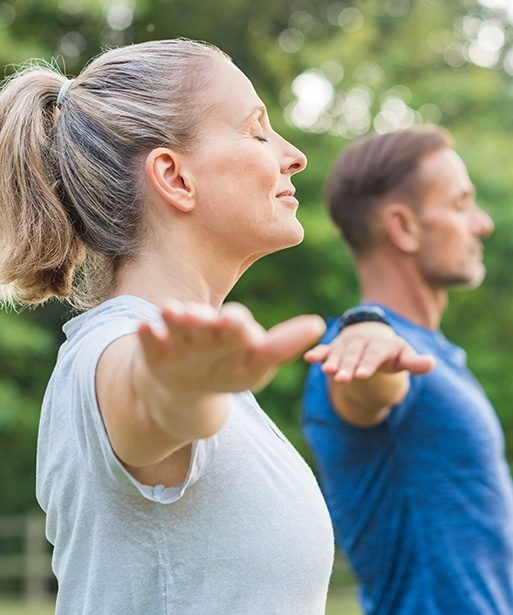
{"x":416,"y":364}
{"x":317,"y":354}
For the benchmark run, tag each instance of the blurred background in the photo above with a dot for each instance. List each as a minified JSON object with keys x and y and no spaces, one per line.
{"x":329,"y":71}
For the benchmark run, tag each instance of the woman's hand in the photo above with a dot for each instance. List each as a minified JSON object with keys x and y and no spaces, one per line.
{"x":169,"y":385}
{"x":201,"y":350}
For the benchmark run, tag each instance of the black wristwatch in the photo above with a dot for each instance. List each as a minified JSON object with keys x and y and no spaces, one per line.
{"x":362,"y":314}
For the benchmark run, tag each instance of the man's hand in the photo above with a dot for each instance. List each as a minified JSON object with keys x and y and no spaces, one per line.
{"x":364,"y":349}
{"x":367,"y":365}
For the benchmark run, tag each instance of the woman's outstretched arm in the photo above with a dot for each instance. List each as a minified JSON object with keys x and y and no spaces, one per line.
{"x":162,"y":388}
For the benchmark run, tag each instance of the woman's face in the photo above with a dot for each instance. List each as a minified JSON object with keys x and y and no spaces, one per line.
{"x":242,"y":172}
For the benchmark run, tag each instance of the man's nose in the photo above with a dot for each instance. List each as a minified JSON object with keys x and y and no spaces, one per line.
{"x":483,"y":223}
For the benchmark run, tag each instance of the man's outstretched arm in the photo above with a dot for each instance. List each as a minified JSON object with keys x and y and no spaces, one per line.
{"x":367,"y":365}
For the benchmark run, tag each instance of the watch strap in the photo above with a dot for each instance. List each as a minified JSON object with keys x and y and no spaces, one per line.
{"x":361,"y":314}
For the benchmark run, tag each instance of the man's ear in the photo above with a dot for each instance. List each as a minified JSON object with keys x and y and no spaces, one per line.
{"x":167,"y":173}
{"x":401,"y":226}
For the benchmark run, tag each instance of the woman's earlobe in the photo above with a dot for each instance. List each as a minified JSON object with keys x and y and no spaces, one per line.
{"x":167,"y":173}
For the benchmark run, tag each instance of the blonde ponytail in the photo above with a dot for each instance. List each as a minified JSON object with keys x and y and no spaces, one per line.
{"x":39,"y":248}
{"x":71,"y":154}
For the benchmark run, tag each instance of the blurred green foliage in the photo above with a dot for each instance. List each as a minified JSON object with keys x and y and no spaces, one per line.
{"x":329,"y":71}
{"x":27,"y":352}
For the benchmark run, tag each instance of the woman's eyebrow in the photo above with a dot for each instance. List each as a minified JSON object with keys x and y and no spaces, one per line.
{"x":259,"y":110}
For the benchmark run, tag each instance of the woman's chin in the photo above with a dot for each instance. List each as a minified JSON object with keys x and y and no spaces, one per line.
{"x":295,"y":235}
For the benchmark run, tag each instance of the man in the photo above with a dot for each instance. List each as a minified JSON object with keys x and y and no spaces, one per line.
{"x":412,"y":464}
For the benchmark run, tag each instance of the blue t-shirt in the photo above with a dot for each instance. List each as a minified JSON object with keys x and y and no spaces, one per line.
{"x":422,"y":504}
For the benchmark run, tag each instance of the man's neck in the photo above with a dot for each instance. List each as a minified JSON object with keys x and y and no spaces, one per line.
{"x":400,"y":288}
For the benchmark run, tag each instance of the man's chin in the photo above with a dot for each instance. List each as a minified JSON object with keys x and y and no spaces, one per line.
{"x":471,"y":282}
{"x":479,"y":277}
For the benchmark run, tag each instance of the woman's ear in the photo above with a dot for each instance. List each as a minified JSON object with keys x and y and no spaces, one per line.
{"x":401,"y":226}
{"x":167,"y":173}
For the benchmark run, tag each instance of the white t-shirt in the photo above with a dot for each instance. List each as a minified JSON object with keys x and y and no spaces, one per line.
{"x":246,"y":532}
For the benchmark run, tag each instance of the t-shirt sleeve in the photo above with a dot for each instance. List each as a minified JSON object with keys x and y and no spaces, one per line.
{"x":89,"y":429}
{"x":401,"y":411}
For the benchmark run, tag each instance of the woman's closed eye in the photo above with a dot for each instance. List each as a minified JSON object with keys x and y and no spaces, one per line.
{"x":259,"y":131}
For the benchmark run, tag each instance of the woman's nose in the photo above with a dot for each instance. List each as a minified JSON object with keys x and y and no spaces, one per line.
{"x":294,"y":161}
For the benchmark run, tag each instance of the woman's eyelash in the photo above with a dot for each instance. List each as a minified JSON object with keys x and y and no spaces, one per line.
{"x":262,"y":139}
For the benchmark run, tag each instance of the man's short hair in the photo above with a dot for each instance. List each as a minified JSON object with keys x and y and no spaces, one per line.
{"x":373,"y":170}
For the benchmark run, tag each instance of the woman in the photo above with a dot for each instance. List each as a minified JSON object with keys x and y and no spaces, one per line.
{"x":141,"y":191}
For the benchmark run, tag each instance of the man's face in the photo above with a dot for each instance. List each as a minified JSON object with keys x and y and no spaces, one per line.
{"x":452,"y":224}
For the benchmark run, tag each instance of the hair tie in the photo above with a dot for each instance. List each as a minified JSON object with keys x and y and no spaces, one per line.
{"x":62,"y":92}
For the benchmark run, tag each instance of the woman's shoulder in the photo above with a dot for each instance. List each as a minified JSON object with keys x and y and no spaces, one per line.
{"x":112,"y":311}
